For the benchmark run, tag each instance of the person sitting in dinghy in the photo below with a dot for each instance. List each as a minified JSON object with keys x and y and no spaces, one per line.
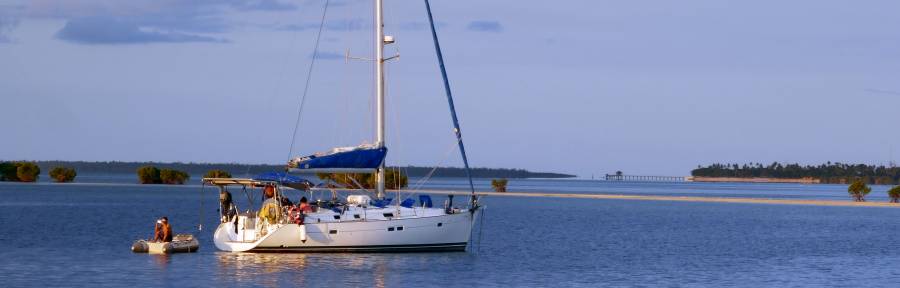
{"x":163,"y":231}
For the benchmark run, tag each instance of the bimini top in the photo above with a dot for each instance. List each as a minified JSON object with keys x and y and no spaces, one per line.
{"x":360,"y":159}
{"x":285,"y":180}
{"x":237,"y":181}
{"x":264,"y":179}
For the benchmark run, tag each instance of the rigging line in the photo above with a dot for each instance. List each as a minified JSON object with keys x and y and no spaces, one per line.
{"x":481,"y":227}
{"x":430,"y":173}
{"x":200,"y":212}
{"x":312,"y":63}
{"x":421,"y":182}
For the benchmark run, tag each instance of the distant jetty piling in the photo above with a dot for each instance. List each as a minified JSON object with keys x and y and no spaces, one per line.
{"x":643,"y":178}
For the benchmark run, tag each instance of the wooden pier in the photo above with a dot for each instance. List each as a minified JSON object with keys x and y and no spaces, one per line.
{"x":641,"y":178}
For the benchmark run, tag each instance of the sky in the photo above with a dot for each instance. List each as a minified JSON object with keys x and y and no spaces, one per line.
{"x":580,"y":87}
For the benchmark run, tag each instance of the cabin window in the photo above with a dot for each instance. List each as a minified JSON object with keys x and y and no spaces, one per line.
{"x":390,"y":228}
{"x":388,"y":215}
{"x":337,"y":217}
{"x":440,"y":224}
{"x":356,"y":216}
{"x":332,"y":231}
{"x":400,"y":228}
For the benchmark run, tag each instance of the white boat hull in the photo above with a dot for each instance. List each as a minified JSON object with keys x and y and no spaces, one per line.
{"x":447,"y":232}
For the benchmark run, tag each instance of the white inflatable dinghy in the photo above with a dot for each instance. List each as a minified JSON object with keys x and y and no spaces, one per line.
{"x":181,"y":243}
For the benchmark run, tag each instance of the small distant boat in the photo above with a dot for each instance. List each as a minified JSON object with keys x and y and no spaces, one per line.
{"x":181,"y":243}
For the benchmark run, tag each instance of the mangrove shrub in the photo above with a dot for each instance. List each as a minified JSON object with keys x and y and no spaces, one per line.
{"x":217,"y":174}
{"x":148,"y":175}
{"x":858,"y":190}
{"x":499,"y":185}
{"x":63,"y":174}
{"x":894,"y":194}
{"x":27,"y":171}
{"x":8,"y":171}
{"x":172,"y":176}
{"x":393,"y":179}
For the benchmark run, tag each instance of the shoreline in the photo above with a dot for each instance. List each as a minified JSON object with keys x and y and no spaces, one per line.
{"x":709,"y":199}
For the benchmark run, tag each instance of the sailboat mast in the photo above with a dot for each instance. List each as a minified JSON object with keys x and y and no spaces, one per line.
{"x":379,"y":92}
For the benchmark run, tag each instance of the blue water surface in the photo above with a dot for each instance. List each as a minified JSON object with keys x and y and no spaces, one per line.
{"x":79,"y":234}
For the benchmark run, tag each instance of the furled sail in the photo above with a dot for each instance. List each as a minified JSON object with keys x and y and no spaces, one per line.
{"x":360,"y":159}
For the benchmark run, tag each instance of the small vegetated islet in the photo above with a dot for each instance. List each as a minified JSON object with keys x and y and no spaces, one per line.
{"x":63,"y":174}
{"x":19,"y":171}
{"x":153,"y":175}
{"x":216,"y":173}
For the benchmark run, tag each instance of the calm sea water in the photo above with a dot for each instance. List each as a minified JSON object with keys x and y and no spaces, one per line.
{"x":79,"y":234}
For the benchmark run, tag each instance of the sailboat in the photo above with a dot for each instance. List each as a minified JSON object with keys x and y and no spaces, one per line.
{"x":359,"y":223}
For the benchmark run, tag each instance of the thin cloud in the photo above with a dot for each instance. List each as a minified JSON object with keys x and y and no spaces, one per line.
{"x":343,"y":25}
{"x":262,"y":5}
{"x":148,"y":21}
{"x":880,"y":91}
{"x":100,"y":30}
{"x":484,"y":26}
{"x":9,"y":20}
{"x":420,"y":25}
{"x":86,"y":8}
{"x":327,"y":55}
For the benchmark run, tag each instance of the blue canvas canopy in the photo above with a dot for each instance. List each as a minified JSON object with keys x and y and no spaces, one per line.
{"x":284,"y":179}
{"x":361,"y":159}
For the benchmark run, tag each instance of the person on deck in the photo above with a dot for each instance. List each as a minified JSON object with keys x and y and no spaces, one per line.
{"x":304,"y":205}
{"x":226,"y":206}
{"x":269,"y":209}
{"x":285,"y":202}
{"x":163,"y":231}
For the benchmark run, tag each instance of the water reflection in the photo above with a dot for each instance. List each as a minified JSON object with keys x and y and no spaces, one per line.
{"x":272,"y":270}
{"x":246,"y":266}
{"x":162,"y":260}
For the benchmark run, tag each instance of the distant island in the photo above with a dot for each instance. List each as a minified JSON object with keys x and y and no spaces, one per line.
{"x":240,"y":170}
{"x":830,"y":173}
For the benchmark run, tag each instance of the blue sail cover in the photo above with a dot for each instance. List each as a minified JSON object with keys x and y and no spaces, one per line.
{"x":358,"y":158}
{"x":282,"y":178}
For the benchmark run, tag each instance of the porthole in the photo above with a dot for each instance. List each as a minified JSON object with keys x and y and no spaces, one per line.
{"x":337,"y":217}
{"x":388,"y":215}
{"x":356,"y":216}
{"x":400,"y":228}
{"x":440,"y":224}
{"x":332,"y":231}
{"x":390,"y":228}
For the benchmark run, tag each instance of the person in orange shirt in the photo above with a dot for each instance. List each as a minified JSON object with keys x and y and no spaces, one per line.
{"x":163,"y":231}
